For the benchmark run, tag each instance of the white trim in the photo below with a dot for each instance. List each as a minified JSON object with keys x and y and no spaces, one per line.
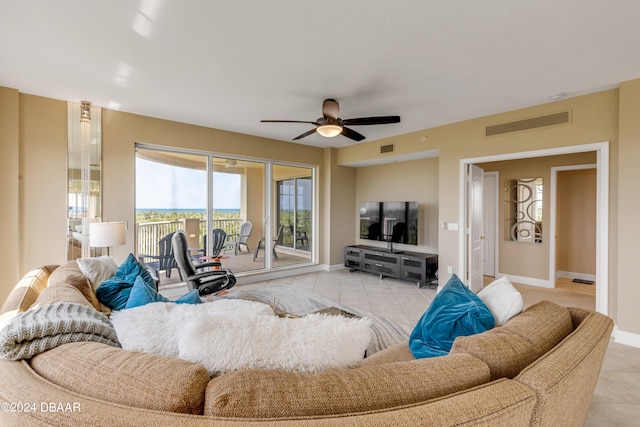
{"x":531,"y":281}
{"x":602,"y":232}
{"x":333,"y":267}
{"x":627,"y":338}
{"x":463,"y":226}
{"x":496,"y":230}
{"x":279,"y":273}
{"x":602,"y":215}
{"x":574,"y":275}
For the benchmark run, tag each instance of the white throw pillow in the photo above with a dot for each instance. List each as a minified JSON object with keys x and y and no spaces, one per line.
{"x":503,"y":299}
{"x":97,"y":270}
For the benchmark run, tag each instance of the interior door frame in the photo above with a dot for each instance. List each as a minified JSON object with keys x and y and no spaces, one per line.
{"x":495,"y":177}
{"x":602,"y":208}
{"x":475,"y":233}
{"x":553,"y":213}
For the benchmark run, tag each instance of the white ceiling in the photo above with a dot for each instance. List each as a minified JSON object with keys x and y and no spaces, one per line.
{"x":228,"y":64}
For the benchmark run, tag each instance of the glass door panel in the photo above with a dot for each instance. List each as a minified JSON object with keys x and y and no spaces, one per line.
{"x":294,"y":214}
{"x":171,"y":195}
{"x":238,"y":195}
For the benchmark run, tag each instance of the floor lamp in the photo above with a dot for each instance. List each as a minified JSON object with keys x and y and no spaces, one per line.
{"x":106,"y":235}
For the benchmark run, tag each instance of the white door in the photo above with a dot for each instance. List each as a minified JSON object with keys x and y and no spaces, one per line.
{"x":489,"y":208}
{"x":474,"y":234}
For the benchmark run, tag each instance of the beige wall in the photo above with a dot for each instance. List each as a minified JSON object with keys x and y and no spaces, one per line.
{"x":339,"y":191}
{"x":34,"y":147}
{"x":628,"y":206}
{"x":530,"y":260}
{"x":594,"y":118}
{"x":576,"y":221}
{"x":415,"y":180}
{"x":255,"y":209}
{"x":9,"y":196}
{"x":609,"y":115}
{"x":122,"y":130}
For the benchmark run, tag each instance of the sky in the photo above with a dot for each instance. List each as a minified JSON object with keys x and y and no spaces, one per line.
{"x":162,"y":186}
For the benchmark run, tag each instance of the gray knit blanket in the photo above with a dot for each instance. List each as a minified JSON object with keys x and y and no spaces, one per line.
{"x":40,"y":329}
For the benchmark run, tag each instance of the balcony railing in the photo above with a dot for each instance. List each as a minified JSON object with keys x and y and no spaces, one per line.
{"x":150,"y":233}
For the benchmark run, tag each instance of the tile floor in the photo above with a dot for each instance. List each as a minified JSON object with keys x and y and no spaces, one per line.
{"x":616,"y":400}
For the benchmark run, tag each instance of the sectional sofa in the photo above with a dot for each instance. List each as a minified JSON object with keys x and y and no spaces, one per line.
{"x":540,"y":368}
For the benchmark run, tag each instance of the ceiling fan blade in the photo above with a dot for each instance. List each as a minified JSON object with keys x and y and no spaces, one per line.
{"x":380,"y":120}
{"x":288,"y":121}
{"x":304,"y":134}
{"x":350,"y":133}
{"x":330,"y":109}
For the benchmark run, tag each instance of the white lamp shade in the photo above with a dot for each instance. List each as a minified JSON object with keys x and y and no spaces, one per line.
{"x":106,"y":234}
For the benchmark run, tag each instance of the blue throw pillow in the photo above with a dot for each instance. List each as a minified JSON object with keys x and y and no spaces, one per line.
{"x":142,"y":293}
{"x":191,"y":297}
{"x":114,"y":292}
{"x":455,"y":311}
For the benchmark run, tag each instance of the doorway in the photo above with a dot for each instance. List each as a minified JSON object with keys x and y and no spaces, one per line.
{"x":572,"y":253}
{"x":602,"y":232}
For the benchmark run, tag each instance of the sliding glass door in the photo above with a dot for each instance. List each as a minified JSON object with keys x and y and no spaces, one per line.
{"x":238,"y":205}
{"x":294,"y":213}
{"x":264,"y":209}
{"x":171,"y":195}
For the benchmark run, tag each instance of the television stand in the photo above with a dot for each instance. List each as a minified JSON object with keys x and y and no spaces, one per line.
{"x":417,"y":267}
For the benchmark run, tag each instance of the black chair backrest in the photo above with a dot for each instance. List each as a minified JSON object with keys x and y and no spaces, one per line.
{"x":181,"y":254}
{"x":218,"y":238}
{"x":166,"y":260}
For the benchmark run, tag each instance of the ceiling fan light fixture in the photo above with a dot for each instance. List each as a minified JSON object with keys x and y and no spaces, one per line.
{"x":329,"y":131}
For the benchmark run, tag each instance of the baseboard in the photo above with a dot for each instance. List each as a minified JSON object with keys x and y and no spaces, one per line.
{"x":179,"y":289}
{"x":281,"y":272}
{"x":627,"y":338}
{"x":530,"y":281}
{"x":574,"y":275}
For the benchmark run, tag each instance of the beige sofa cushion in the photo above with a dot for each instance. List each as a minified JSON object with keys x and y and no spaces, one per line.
{"x":126,"y":377}
{"x":270,"y":393}
{"x":396,"y":353}
{"x":509,"y":349}
{"x":61,"y":292}
{"x":565,"y":377}
{"x":25,"y":293}
{"x":70,"y":274}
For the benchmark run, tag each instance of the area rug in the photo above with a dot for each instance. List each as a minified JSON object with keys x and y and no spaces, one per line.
{"x":298,"y":301}
{"x":233,"y":334}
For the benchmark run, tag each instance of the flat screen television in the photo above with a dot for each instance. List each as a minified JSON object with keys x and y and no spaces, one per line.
{"x":391,"y":222}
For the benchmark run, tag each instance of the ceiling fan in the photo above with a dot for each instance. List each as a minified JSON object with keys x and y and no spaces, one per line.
{"x":330,"y":125}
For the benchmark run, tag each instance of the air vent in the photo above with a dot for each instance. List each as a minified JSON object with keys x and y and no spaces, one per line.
{"x":390,"y":148}
{"x":533,"y":123}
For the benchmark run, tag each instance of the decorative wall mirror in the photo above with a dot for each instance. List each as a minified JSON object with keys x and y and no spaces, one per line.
{"x":523,"y":210}
{"x":84,"y":177}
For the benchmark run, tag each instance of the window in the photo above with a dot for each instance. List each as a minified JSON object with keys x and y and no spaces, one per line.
{"x":200,"y":192}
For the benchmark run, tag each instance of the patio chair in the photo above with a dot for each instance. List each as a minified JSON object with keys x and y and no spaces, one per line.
{"x":261,"y":244}
{"x":164,"y":261}
{"x":237,"y":240}
{"x":301,"y":236}
{"x":206,"y":282}
{"x":218,"y":238}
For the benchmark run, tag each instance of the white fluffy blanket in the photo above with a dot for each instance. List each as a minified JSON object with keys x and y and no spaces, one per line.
{"x":229,"y":335}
